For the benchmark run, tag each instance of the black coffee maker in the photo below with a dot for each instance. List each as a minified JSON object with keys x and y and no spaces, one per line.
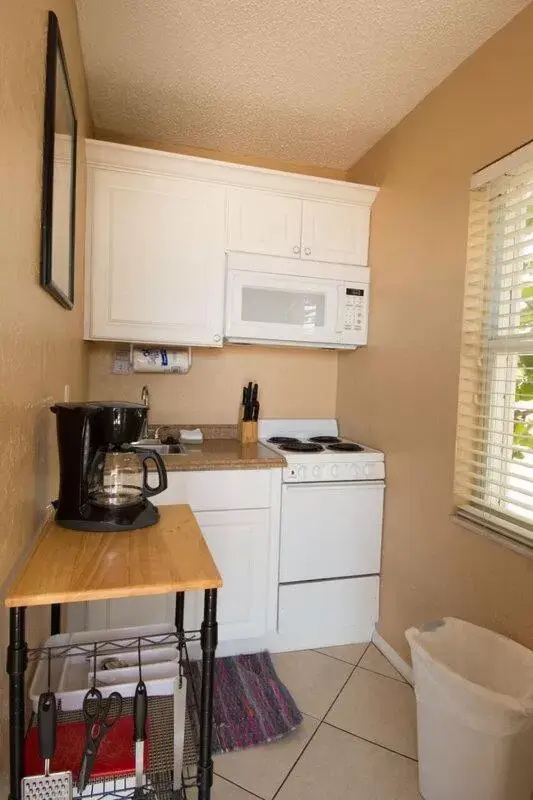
{"x":103,"y":480}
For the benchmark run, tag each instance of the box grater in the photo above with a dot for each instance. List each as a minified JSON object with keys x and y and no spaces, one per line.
{"x":51,"y":785}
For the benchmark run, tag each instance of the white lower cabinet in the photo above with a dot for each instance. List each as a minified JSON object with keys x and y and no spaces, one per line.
{"x":239,"y":542}
{"x":244,"y":543}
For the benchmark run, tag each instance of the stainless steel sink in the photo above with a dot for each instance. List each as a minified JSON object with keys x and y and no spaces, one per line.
{"x":158,"y":447}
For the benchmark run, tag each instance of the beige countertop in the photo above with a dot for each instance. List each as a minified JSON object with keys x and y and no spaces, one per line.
{"x":215,"y":454}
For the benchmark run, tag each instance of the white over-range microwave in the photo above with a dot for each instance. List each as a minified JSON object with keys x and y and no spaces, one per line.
{"x":291,"y":302}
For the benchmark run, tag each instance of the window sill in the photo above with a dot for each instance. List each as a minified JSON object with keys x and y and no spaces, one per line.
{"x":504,"y":541}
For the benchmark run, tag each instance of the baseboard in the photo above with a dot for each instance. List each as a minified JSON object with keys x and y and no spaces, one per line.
{"x":395,"y":659}
{"x":278,"y":643}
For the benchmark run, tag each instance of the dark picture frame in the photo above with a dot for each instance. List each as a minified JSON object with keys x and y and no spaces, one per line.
{"x":58,"y":210}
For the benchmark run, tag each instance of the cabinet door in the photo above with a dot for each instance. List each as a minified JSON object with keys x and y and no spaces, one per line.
{"x":156,"y":259}
{"x":240,"y":544}
{"x":264,"y":222}
{"x":336,"y":232}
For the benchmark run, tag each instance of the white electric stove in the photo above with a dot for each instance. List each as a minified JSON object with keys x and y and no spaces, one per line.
{"x":315,"y":452}
{"x":330,"y":540}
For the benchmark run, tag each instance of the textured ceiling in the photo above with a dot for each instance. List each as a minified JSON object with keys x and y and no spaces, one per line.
{"x":308,"y":81}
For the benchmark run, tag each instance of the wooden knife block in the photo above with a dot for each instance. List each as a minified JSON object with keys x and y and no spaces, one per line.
{"x":248,"y":432}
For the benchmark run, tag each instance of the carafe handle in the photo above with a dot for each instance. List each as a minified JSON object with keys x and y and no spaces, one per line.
{"x":151,"y":455}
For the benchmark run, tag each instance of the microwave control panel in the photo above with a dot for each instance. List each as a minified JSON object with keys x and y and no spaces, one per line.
{"x":354,"y":309}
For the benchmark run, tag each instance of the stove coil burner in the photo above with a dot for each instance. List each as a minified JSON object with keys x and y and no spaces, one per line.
{"x":325,"y":439}
{"x":283,"y":440}
{"x":345,"y":447}
{"x":302,"y":447}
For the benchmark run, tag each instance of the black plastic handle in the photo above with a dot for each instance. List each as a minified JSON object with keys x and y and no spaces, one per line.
{"x":255,"y":392}
{"x":47,"y":724}
{"x":140,"y":707}
{"x":151,"y":455}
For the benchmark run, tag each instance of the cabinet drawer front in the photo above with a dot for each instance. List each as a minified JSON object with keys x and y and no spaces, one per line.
{"x":218,"y":490}
{"x":329,"y":611}
{"x":330,"y":530}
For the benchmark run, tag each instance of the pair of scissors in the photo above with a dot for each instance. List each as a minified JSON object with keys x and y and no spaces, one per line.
{"x":100,"y":715}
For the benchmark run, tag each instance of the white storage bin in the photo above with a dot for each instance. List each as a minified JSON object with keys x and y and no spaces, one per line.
{"x":474,"y":692}
{"x":71,"y":677}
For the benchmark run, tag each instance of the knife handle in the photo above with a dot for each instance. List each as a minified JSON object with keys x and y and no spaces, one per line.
{"x":47,"y":724}
{"x":140,"y":704}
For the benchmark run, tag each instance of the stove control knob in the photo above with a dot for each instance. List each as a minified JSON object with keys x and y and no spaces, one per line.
{"x":316,"y":472}
{"x":334,"y":471}
{"x":301,"y":473}
{"x":366,"y":470}
{"x":355,"y":469}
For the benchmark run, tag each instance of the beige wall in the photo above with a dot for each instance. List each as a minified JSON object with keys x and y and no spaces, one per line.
{"x":293,"y":383}
{"x":400,"y":393}
{"x":40,"y":342}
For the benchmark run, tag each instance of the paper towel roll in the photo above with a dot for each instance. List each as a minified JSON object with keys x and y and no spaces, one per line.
{"x":163,"y":360}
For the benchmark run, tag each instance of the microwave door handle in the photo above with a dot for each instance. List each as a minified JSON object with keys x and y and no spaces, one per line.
{"x":341,"y":295}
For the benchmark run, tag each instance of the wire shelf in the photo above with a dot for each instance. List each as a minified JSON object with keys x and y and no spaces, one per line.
{"x":159,"y":775}
{"x":89,"y":649}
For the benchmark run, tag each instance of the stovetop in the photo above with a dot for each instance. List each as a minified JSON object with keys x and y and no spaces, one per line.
{"x":315,"y":444}
{"x":320,"y":448}
{"x":314,"y":451}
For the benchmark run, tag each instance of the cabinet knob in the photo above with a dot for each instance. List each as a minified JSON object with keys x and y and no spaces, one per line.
{"x":296,"y":249}
{"x":307,"y":251}
{"x":217,"y":338}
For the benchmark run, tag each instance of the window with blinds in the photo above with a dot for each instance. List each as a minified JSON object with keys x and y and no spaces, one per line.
{"x":494,"y":448}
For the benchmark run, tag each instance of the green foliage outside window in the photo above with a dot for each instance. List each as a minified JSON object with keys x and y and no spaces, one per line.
{"x":523,"y":417}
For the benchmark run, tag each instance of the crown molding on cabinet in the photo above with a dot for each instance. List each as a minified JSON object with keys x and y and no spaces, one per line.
{"x":112,"y":156}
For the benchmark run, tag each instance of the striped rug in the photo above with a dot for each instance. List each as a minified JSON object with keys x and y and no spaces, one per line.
{"x":251,"y":705}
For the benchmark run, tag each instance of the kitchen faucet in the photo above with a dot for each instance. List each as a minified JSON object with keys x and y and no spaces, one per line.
{"x":145,"y":400}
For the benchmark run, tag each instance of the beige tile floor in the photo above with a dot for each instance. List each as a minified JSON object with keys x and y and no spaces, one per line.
{"x":357,"y":739}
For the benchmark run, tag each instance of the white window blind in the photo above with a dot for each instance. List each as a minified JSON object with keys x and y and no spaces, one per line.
{"x":494,"y":447}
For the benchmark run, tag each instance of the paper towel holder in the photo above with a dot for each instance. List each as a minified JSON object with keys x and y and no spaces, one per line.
{"x":189,"y":358}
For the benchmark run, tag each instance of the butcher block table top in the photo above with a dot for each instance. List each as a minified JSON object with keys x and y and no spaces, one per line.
{"x":67,"y":566}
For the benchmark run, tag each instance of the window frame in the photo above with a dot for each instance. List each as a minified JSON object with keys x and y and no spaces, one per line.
{"x":493,"y":346}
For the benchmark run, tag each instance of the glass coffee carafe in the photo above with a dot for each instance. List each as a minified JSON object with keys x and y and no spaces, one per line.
{"x":119,"y":477}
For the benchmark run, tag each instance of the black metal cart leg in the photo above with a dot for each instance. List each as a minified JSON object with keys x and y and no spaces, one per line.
{"x":179,"y":616}
{"x":209,"y":644}
{"x":17,"y":661}
{"x":55,"y":619}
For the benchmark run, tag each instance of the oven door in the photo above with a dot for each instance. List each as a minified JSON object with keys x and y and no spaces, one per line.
{"x":269,"y":307}
{"x":330,"y":530}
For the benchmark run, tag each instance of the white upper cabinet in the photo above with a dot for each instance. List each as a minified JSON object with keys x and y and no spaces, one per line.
{"x":264,"y":222}
{"x":156,"y":259}
{"x":274,"y":224}
{"x":335,"y":232}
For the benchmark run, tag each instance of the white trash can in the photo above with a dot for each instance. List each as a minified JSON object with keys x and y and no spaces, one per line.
{"x":474,"y":694}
